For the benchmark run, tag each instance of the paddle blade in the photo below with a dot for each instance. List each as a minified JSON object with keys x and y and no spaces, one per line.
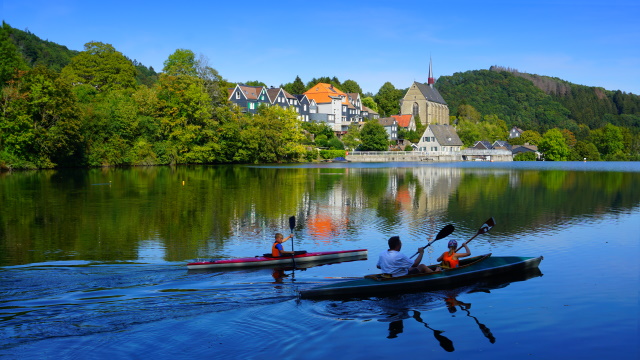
{"x":446,"y":231}
{"x":292,"y":222}
{"x":487,"y":226}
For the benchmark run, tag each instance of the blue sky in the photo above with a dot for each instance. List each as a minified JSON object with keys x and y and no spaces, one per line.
{"x":593,"y":43}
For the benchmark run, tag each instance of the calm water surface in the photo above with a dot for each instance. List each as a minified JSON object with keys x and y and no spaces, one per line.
{"x":92,"y":262}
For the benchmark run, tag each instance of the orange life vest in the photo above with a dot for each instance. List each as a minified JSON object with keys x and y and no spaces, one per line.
{"x":450,"y":260}
{"x":274,"y":250}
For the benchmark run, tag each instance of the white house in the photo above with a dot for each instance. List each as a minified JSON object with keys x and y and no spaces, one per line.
{"x":440,"y":138}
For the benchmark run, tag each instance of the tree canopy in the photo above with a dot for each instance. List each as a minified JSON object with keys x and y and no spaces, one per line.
{"x":101,"y":67}
{"x":373,"y":137}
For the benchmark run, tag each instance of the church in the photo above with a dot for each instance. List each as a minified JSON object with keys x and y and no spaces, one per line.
{"x":423,"y":101}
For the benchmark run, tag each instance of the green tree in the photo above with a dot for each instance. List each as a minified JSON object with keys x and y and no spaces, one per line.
{"x":351,"y":139}
{"x":321,"y":140}
{"x":39,"y":124}
{"x":554,"y":146}
{"x":373,"y":137}
{"x":469,"y":132}
{"x":101,"y":67}
{"x":215,"y":86}
{"x":609,"y":141}
{"x":350,"y":86}
{"x":370,"y":103}
{"x":296,"y":87}
{"x":586,"y":150}
{"x":255,"y":83}
{"x":531,"y":137}
{"x":325,"y":79}
{"x":335,"y":144}
{"x":525,"y":156}
{"x":181,"y":62}
{"x":274,"y":134}
{"x":188,"y":131}
{"x":388,"y":99}
{"x":468,"y":113}
{"x":11,"y":61}
{"x":318,"y":128}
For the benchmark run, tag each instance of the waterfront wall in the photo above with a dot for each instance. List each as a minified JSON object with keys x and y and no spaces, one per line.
{"x":435,"y":156}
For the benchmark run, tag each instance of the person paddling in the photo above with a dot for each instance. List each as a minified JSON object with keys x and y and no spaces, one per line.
{"x":451,"y":258}
{"x":395,"y":263}
{"x":276,"y":248}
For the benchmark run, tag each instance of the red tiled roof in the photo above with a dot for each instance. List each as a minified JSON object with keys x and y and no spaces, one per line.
{"x":322,"y":93}
{"x":403,"y":120}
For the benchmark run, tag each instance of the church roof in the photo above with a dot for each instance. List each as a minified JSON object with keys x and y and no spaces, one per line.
{"x":430,"y":93}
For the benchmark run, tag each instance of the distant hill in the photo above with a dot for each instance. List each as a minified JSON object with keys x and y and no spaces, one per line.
{"x":39,"y":52}
{"x":54,"y":56}
{"x":534,"y":102}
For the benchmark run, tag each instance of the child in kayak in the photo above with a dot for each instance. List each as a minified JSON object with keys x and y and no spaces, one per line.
{"x":451,"y":258}
{"x":276,"y":248}
{"x":395,"y":263}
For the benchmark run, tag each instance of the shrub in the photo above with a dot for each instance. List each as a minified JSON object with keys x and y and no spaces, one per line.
{"x":527,"y":156}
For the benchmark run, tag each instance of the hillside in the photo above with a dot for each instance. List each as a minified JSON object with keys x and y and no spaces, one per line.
{"x":36,"y":51}
{"x":538,"y":102}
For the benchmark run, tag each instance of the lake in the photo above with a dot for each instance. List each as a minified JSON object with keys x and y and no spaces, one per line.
{"x":93,"y":262}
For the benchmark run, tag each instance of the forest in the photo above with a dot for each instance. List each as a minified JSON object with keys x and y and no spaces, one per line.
{"x":96,"y":107}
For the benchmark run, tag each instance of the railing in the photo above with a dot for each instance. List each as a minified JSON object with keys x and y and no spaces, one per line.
{"x":431,"y":153}
{"x":484,"y":152}
{"x":386,"y":153}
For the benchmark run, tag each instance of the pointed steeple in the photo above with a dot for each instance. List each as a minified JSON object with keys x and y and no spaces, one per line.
{"x":431,"y":80}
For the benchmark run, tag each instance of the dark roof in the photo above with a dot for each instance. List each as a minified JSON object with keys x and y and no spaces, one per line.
{"x":430,"y":93}
{"x":446,"y":135}
{"x":388,"y":121}
{"x":524,"y":148}
{"x":501,"y":144}
{"x":483,"y":144}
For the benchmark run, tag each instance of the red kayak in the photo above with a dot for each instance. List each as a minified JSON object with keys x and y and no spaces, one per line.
{"x":266,"y":260}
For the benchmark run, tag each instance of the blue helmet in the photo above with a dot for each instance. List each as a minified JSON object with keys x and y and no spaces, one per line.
{"x":453,"y":243}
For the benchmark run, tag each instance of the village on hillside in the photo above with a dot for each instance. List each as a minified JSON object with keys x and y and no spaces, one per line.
{"x":339,"y":110}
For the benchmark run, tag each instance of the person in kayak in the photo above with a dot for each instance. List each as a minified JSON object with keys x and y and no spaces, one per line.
{"x":276,"y":248}
{"x":451,"y":258}
{"x":395,"y":263}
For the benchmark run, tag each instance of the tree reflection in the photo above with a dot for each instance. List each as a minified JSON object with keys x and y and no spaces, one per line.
{"x":198,"y":211}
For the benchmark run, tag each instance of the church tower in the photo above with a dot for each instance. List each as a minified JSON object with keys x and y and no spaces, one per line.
{"x":425,"y":103}
{"x":431,"y":80}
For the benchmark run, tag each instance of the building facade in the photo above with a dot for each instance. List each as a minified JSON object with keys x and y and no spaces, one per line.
{"x":424,"y":102}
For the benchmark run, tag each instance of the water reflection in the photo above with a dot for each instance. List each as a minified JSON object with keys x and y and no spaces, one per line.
{"x":396,"y":310}
{"x":174,"y":214}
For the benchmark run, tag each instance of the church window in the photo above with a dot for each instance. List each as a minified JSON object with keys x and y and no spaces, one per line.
{"x":416,"y":109}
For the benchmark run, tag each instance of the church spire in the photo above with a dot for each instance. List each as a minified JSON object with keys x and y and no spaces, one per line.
{"x":431,"y":80}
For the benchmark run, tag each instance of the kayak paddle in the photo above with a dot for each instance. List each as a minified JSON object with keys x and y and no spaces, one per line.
{"x":446,"y":231}
{"x":292,"y":224}
{"x":483,"y":229}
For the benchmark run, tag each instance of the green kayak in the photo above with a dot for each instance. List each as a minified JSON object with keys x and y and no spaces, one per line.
{"x":470,"y":270}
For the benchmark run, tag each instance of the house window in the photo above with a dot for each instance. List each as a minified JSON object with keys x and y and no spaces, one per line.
{"x":238,"y":95}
